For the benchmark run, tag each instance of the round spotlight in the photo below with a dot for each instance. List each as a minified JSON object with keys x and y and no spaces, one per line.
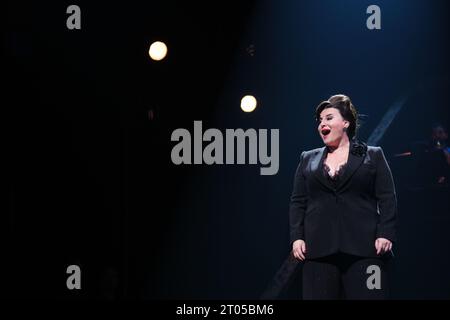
{"x":158,"y":50}
{"x":248,"y":103}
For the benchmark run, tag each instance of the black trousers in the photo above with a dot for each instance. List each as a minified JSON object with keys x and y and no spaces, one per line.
{"x":343,"y":276}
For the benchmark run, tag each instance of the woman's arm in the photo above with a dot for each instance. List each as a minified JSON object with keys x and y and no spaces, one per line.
{"x":387,"y":199}
{"x":298,"y":204}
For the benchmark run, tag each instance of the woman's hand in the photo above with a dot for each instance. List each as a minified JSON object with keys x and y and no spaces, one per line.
{"x":383,"y":245}
{"x":299,"y":249}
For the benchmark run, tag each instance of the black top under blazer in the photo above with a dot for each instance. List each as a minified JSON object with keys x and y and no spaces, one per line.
{"x":347,"y":216}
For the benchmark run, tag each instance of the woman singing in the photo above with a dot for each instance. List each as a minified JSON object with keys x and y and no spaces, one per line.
{"x":343,"y":210}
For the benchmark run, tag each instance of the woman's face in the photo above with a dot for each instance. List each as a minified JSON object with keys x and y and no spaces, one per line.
{"x":331,"y":126}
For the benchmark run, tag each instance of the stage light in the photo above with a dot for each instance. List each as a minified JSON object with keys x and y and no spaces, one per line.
{"x":248,"y":103}
{"x":158,"y":50}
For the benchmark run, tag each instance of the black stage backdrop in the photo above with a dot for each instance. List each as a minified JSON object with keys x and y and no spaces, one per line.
{"x":88,"y":118}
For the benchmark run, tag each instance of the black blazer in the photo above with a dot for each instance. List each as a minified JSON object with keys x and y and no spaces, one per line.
{"x":349,"y":217}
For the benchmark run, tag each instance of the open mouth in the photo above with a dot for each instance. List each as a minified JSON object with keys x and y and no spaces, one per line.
{"x":325,"y":132}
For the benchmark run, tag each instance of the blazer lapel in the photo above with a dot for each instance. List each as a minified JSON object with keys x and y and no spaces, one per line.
{"x":317,"y":168}
{"x":353,"y":163}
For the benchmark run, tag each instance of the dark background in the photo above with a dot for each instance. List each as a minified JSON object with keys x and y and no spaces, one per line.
{"x":88,"y":120}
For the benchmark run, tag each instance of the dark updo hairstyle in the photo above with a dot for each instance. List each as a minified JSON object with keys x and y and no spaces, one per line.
{"x":346,"y":109}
